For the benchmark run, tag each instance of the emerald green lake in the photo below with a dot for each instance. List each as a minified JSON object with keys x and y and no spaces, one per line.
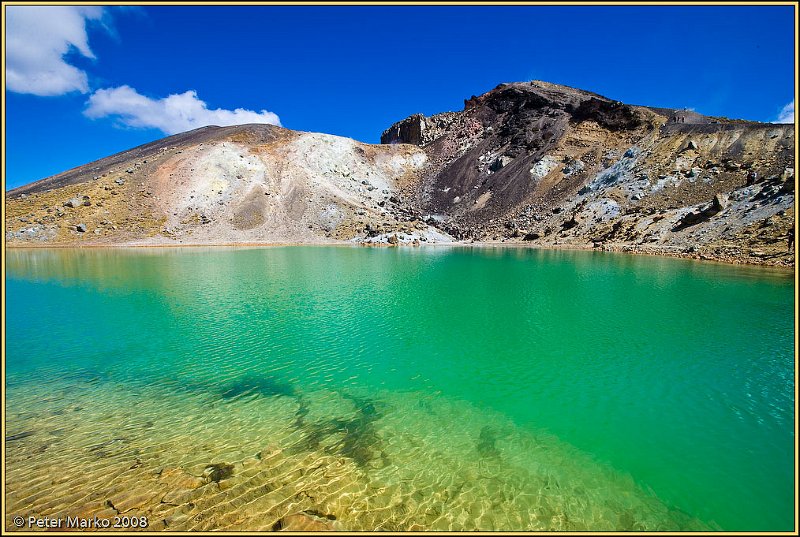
{"x":399,"y":388}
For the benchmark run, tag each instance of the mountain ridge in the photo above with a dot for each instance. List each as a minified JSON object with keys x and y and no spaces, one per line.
{"x":527,"y":162}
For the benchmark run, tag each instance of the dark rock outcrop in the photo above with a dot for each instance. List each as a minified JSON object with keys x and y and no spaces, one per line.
{"x":409,"y":131}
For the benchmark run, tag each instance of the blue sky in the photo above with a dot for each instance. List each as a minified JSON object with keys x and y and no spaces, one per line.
{"x":84,"y":83}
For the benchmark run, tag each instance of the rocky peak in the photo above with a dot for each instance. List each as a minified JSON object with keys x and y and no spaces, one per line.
{"x":567,"y":165}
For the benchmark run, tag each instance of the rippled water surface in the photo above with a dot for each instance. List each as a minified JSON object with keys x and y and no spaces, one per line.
{"x":399,"y":389}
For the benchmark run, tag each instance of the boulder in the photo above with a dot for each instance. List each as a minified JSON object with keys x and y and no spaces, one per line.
{"x":572,"y":166}
{"x":720,"y":202}
{"x":81,"y":228}
{"x":73,"y":202}
{"x":732,"y":166}
{"x":499,"y":163}
{"x":531,"y":236}
{"x":690,"y":219}
{"x":572,"y":222}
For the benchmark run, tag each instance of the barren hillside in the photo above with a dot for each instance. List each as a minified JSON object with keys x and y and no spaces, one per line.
{"x":242,"y":184}
{"x":552,"y":165}
{"x":533,"y":163}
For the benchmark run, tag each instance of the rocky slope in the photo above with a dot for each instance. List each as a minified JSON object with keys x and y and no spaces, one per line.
{"x":551,"y":165}
{"x":533,"y":163}
{"x":241,"y":184}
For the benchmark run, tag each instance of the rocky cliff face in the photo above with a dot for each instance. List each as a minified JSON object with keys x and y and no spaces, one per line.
{"x":532,"y":163}
{"x":541,"y":163}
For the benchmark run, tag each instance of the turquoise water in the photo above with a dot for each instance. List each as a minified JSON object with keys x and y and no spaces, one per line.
{"x":659,"y":392}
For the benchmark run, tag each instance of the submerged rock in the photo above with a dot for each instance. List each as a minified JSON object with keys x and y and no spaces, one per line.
{"x":306,"y":521}
{"x":18,"y":436}
{"x":214,"y":473}
{"x":266,"y":386}
{"x":179,"y":479}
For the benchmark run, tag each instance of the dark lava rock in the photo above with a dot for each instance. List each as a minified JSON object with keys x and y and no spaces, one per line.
{"x":499,"y":163}
{"x":612,"y":115}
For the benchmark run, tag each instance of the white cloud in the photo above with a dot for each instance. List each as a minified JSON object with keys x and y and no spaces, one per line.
{"x":37,"y":38}
{"x":173,"y":114}
{"x":787,"y":114}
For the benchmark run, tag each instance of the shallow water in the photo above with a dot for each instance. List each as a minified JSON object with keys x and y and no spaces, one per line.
{"x":399,"y":389}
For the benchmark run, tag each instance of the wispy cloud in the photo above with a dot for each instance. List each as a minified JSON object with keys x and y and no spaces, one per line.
{"x":786,"y":114}
{"x":38,"y":38}
{"x":172,"y":114}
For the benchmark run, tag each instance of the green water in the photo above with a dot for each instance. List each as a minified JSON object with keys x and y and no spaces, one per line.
{"x":674,"y":376}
